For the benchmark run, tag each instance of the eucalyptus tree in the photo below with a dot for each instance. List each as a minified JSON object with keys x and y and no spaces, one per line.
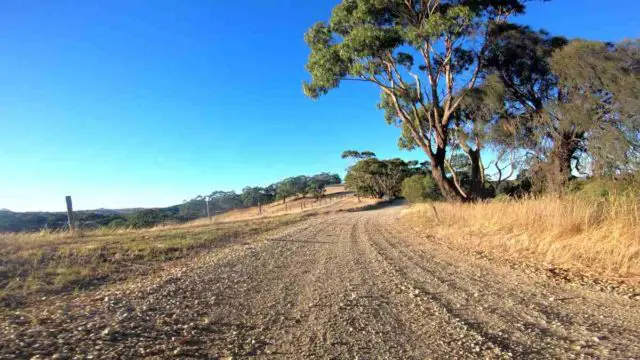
{"x":424,"y":55}
{"x":354,"y":154}
{"x":380,"y":178}
{"x":254,"y":195}
{"x":598,"y":107}
{"x":326,"y":178}
{"x":285,"y":189}
{"x":564,"y":102}
{"x":301,"y":185}
{"x":316,"y":188}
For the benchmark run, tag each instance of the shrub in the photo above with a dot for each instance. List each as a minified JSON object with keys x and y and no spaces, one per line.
{"x":604,"y":187}
{"x":117,"y":223}
{"x":420,"y":188}
{"x":146,"y":218}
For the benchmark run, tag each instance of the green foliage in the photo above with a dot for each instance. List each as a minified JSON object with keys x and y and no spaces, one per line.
{"x":36,"y":221}
{"x":117,"y":223}
{"x":574,"y":105}
{"x":420,"y":188}
{"x":316,"y":188}
{"x":254,"y":196}
{"x":601,"y":83}
{"x":423,"y":56}
{"x":379,"y":178}
{"x":327,"y":178}
{"x":147,"y":218}
{"x":353,"y":154}
{"x":595,"y":188}
{"x":305,"y":185}
{"x":518,"y":188}
{"x":285,"y":189}
{"x":301,"y":185}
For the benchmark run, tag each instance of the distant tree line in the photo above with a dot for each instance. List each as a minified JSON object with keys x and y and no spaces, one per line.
{"x":219,"y":202}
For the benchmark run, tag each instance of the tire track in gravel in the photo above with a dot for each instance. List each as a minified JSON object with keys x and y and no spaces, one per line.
{"x":346,"y":314}
{"x":353,"y":312}
{"x":524,"y":318}
{"x":360,"y":308}
{"x":434,"y":286}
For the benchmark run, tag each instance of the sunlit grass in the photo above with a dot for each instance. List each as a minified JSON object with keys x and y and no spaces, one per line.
{"x":35,"y":265}
{"x":600,"y":235}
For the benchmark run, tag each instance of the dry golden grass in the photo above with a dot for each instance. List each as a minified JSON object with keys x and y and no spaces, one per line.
{"x":50,"y":263}
{"x":599,"y":236}
{"x":334,"y":189}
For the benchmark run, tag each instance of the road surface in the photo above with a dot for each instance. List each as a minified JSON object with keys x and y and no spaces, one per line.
{"x":347,"y":285}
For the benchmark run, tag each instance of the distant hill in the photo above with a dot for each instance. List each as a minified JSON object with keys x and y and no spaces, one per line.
{"x":103,"y":211}
{"x":323,"y":184}
{"x":135,"y":217}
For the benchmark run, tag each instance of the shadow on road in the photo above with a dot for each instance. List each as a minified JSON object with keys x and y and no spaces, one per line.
{"x":380,"y":205}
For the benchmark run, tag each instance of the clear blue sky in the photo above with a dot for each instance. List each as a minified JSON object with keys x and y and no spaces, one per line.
{"x":128,"y":103}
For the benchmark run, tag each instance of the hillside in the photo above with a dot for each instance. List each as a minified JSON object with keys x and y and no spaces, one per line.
{"x":87,"y":219}
{"x":336,"y":199}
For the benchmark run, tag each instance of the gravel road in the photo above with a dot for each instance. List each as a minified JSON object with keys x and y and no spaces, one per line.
{"x":346,"y":285}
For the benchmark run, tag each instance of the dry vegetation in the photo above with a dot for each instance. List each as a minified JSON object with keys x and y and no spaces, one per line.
{"x":335,"y":199}
{"x":597,"y":236}
{"x":43,"y":264}
{"x":50,"y":263}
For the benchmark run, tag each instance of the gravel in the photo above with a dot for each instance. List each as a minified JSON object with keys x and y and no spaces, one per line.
{"x":348,"y":285}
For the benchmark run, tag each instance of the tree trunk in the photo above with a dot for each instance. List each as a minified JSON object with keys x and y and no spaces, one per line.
{"x":477,"y":175}
{"x":448,"y":189}
{"x":560,"y":163}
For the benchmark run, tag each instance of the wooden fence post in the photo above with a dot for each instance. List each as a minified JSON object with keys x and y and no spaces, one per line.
{"x":72,"y":225}
{"x":208,"y":213}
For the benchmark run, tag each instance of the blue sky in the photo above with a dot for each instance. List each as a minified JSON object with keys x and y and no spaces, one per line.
{"x":127,"y":103}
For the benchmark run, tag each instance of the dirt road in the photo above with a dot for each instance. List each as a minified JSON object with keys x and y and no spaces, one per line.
{"x":348,"y":285}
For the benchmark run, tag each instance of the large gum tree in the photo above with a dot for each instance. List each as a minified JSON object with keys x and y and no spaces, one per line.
{"x":426,"y":56}
{"x":574,"y":105}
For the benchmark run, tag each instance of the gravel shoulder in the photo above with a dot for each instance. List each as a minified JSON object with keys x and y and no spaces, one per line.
{"x":342,"y":285}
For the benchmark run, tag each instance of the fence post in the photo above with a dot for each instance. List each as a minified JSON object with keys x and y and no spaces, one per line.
{"x":72,"y":225}
{"x":208,"y":214}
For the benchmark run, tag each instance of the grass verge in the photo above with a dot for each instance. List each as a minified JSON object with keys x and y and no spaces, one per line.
{"x":601,"y":237}
{"x":37,"y":265}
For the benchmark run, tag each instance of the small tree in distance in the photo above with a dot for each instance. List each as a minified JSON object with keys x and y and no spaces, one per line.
{"x":285,"y":189}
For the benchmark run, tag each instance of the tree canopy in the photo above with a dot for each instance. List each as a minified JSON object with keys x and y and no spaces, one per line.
{"x":424,"y":56}
{"x":458,"y":80}
{"x":573,"y":105}
{"x":379,"y":178}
